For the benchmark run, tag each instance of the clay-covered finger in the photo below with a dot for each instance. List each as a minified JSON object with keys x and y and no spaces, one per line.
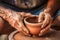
{"x":25,"y":33}
{"x":24,"y":14}
{"x":24,"y":28}
{"x":46,"y":20}
{"x":41,"y":17}
{"x":20,"y":27}
{"x":46,"y":29}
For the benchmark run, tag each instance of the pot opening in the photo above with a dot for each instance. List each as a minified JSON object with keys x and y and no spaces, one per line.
{"x":32,"y":19}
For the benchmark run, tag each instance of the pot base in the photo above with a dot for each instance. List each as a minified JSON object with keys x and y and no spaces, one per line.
{"x":52,"y":35}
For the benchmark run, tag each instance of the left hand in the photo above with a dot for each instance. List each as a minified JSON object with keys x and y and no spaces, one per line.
{"x":15,"y":19}
{"x":46,"y":20}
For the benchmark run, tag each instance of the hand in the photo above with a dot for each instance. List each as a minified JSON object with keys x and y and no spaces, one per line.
{"x":24,"y":29}
{"x":15,"y":19}
{"x":46,"y":20}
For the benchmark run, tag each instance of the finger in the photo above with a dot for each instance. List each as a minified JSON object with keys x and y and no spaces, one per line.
{"x":41,"y":16}
{"x":24,"y":14}
{"x":19,"y":24}
{"x":20,"y":28}
{"x":15,"y":24}
{"x":25,"y":33}
{"x":25,"y":30}
{"x":2,"y":14}
{"x":45,"y":30}
{"x":23,"y":27}
{"x":28,"y":14}
{"x":46,"y":20}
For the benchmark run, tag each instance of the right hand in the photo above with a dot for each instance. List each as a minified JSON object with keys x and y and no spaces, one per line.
{"x":46,"y":20}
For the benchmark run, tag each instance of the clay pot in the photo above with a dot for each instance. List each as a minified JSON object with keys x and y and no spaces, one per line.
{"x":33,"y":25}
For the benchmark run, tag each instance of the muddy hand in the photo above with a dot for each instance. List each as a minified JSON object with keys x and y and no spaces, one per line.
{"x":14,"y":19}
{"x":47,"y":19}
{"x":46,"y":29}
{"x":41,"y":17}
{"x":45,"y":23}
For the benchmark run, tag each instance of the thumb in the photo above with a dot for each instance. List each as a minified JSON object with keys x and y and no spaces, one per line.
{"x":41,"y":17}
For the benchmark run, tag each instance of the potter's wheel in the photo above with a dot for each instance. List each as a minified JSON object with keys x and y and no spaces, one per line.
{"x":52,"y":35}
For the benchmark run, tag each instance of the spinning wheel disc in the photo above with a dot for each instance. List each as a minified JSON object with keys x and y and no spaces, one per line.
{"x":52,"y":35}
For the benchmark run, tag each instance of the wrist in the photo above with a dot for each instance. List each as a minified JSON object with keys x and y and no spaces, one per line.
{"x":49,"y":11}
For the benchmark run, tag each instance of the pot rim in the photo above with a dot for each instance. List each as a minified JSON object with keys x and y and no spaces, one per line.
{"x":31,"y":23}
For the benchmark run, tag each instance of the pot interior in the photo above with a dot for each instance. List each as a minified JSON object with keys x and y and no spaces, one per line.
{"x":32,"y":19}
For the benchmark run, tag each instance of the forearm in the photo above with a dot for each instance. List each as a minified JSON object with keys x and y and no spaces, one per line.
{"x":53,"y":6}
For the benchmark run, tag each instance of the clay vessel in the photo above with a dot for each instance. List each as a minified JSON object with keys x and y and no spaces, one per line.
{"x":33,"y":25}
